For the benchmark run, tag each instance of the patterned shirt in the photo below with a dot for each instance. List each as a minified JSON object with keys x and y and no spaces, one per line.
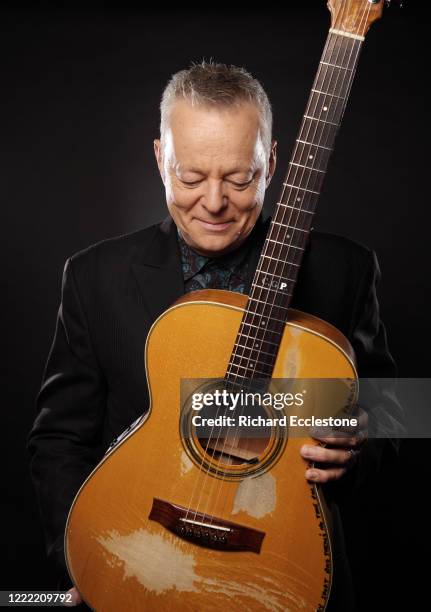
{"x":227,"y":271}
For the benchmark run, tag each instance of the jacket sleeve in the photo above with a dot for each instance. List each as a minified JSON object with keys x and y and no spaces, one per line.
{"x":377,"y":371}
{"x":64,"y":442}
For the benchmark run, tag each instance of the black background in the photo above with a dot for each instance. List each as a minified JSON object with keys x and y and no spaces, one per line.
{"x":80,"y":89}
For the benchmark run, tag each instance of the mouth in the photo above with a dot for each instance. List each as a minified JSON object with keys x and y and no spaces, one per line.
{"x":214,"y":227}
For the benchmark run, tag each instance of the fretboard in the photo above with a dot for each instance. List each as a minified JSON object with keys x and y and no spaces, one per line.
{"x":264,"y":318}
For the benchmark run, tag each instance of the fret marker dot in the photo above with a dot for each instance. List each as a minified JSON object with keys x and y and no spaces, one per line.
{"x":310,"y":157}
{"x":298,"y":199}
{"x":256,"y":344}
{"x":325,"y":108}
{"x":263,"y":322}
{"x":288,"y":236}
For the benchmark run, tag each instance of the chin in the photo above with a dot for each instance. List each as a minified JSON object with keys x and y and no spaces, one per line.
{"x":214,"y":243}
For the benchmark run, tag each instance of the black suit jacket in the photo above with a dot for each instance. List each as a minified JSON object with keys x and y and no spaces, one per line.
{"x":94,"y":383}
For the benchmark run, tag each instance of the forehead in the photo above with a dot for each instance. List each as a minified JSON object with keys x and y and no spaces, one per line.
{"x":201,"y":136}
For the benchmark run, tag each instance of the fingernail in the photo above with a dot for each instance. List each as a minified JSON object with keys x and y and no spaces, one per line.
{"x":307,"y":451}
{"x":311,"y":474}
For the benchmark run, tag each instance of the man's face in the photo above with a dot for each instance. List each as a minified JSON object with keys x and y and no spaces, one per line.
{"x":215,"y":173}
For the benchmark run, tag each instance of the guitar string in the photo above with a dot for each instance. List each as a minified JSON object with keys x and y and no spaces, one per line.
{"x":325,"y":54}
{"x":337,"y":110}
{"x":324,"y":77}
{"x":337,"y":46}
{"x":291,"y":214}
{"x":286,"y":216}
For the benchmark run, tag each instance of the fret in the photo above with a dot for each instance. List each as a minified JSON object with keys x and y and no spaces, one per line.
{"x":312,"y":181}
{"x":319,"y":131}
{"x":334,"y":80}
{"x":335,"y":66}
{"x":312,"y":144}
{"x":272,"y":291}
{"x":289,"y":233}
{"x":267,"y":310}
{"x":299,"y":229}
{"x":255,"y":365}
{"x":290,"y":246}
{"x":258,"y":344}
{"x":310,"y":212}
{"x":331,"y":110}
{"x":253,"y":299}
{"x":263,"y":317}
{"x":227,"y":377}
{"x":283,"y":279}
{"x":306,"y":167}
{"x":283,"y":253}
{"x":272,"y":258}
{"x":311,"y":157}
{"x":295,"y":215}
{"x":233,"y":365}
{"x":279,"y":260}
{"x":263,"y":327}
{"x":321,"y":120}
{"x":326,"y":93}
{"x":339,"y":51}
{"x":253,"y":360}
{"x":253,"y":349}
{"x":301,"y":188}
{"x":243,"y":335}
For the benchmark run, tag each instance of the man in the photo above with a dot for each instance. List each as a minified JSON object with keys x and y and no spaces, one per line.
{"x":216,"y":157}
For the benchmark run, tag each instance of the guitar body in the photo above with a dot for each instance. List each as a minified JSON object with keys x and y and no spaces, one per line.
{"x":120,"y":559}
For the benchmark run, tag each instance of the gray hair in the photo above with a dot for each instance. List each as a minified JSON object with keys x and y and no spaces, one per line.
{"x":217,"y":85}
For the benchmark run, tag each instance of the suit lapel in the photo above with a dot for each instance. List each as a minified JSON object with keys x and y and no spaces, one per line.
{"x":158,"y":271}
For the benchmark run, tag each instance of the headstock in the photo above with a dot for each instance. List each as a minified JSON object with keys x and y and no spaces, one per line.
{"x":354,"y":17}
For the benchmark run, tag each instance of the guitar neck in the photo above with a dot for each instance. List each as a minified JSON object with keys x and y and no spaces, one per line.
{"x":288,"y":233}
{"x":276,"y":274}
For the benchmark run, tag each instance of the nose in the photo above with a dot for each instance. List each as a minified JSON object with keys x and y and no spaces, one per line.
{"x":215,"y":200}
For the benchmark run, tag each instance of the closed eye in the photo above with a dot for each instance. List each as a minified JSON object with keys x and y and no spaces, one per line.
{"x":191,"y":183}
{"x":241,"y":185}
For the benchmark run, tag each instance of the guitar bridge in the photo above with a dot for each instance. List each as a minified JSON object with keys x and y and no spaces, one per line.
{"x":205,"y":530}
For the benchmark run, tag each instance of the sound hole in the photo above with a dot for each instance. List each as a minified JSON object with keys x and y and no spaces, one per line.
{"x":233,"y":442}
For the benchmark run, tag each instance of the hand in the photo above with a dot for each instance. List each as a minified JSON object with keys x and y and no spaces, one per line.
{"x":341,"y":453}
{"x":76,"y":597}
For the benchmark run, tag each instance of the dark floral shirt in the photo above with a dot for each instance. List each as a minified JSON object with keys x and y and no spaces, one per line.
{"x":227,"y":271}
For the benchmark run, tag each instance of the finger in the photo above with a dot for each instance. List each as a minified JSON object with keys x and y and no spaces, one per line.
{"x":326,"y":455}
{"x":354,"y":441}
{"x":322,"y":476}
{"x":361,"y":424}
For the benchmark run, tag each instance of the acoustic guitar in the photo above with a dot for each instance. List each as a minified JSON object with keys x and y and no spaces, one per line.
{"x":174,"y":520}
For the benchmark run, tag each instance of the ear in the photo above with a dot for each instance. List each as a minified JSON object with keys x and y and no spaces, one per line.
{"x":272,"y":162}
{"x":159,"y":157}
